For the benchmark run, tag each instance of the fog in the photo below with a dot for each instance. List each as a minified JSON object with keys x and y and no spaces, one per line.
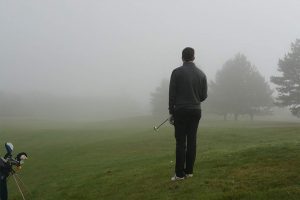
{"x":116,"y":52}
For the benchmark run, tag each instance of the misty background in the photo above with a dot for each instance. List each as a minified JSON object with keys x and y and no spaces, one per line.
{"x":102,"y":59}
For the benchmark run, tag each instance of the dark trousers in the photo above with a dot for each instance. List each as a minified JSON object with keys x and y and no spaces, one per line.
{"x":3,"y":187}
{"x":186,"y":124}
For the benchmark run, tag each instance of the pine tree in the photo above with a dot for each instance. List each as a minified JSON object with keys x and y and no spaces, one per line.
{"x":289,"y":81}
{"x":240,"y":89}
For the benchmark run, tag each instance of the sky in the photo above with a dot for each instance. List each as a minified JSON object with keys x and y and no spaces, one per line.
{"x":125,"y":48}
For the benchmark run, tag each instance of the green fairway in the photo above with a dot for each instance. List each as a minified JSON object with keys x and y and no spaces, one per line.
{"x":126,"y":159}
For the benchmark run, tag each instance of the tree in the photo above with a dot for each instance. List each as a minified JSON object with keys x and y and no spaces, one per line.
{"x":159,"y":99}
{"x":289,"y":81}
{"x":240,"y":89}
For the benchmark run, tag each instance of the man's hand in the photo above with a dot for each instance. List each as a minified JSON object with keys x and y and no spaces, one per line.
{"x":171,"y":119}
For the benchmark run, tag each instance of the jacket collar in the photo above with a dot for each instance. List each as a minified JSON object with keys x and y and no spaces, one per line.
{"x":188,"y":63}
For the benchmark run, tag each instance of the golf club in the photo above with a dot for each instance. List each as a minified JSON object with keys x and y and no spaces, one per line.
{"x":157,"y":127}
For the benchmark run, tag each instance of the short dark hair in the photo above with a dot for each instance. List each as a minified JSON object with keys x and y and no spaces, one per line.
{"x":188,"y":54}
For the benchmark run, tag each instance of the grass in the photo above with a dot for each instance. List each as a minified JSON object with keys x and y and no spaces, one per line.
{"x":125,"y":159}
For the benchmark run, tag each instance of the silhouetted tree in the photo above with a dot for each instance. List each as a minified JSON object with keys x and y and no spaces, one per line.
{"x":289,"y":81}
{"x":159,"y":99}
{"x":240,"y":89}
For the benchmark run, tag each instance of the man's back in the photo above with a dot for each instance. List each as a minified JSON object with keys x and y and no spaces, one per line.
{"x":188,"y":87}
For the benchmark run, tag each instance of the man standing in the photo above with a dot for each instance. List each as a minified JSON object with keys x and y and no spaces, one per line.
{"x":188,"y":88}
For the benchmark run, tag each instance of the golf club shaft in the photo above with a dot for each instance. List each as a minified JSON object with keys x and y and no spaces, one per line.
{"x":163,"y":123}
{"x":19,"y":187}
{"x":24,"y":186}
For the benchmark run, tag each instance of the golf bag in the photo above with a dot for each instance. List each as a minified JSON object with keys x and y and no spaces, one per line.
{"x":6,"y":168}
{"x":4,"y":173}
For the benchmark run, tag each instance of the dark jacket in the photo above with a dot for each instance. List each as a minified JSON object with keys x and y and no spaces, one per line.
{"x":188,"y":87}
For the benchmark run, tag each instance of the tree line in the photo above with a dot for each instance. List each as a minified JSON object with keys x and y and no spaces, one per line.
{"x":240,"y":89}
{"x":59,"y":107}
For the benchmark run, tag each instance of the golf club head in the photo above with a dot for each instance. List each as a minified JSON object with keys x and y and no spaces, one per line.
{"x":21,"y":156}
{"x":9,"y":147}
{"x":155,"y":128}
